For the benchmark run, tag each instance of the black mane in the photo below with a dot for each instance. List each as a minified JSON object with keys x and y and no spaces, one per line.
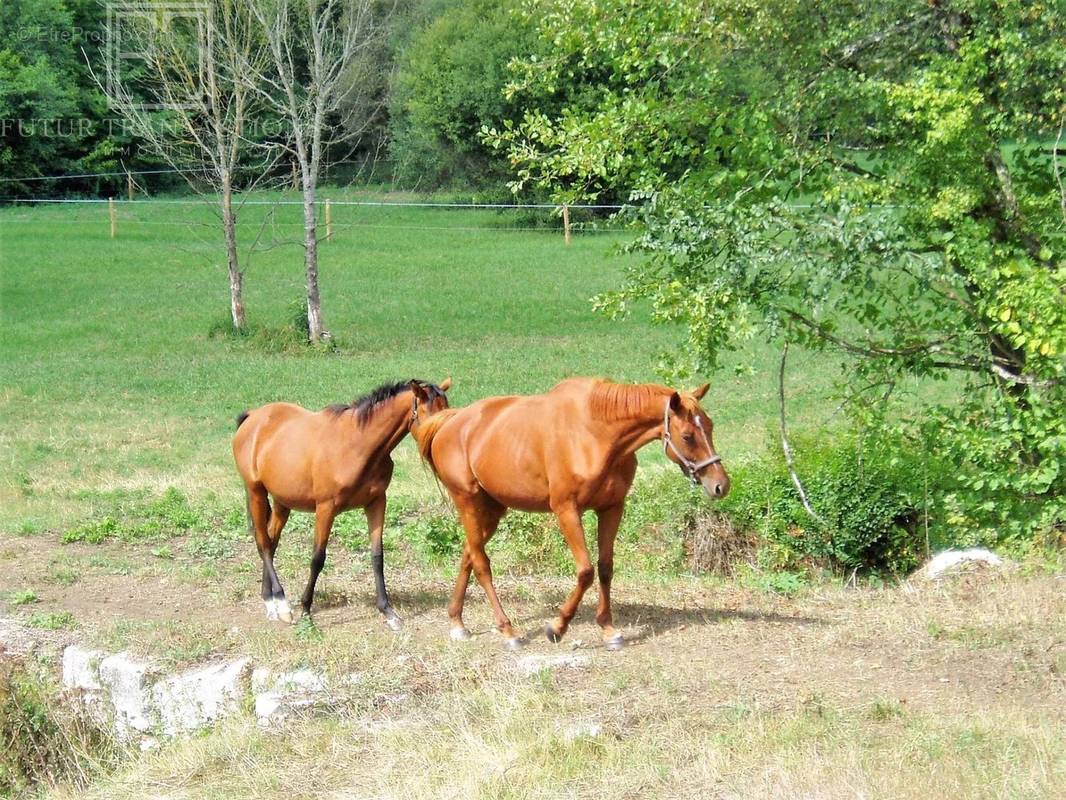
{"x":364,"y":407}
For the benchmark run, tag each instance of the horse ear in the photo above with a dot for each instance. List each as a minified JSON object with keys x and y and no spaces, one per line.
{"x":419,"y":390}
{"x":699,"y":393}
{"x":446,"y":384}
{"x":675,"y":402}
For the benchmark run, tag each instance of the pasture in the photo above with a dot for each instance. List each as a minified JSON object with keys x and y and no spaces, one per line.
{"x":122,"y":523}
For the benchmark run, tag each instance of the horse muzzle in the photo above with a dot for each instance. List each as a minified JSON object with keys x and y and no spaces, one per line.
{"x":715,"y":482}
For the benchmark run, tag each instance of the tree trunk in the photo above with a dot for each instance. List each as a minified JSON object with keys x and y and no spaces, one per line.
{"x":315,"y":329}
{"x":236,"y":277}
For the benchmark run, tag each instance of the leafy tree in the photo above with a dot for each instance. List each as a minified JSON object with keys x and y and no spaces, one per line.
{"x":880,"y":179}
{"x":40,"y":101}
{"x":449,"y":84}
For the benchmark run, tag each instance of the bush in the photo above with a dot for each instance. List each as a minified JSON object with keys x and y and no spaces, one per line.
{"x":868,"y":496}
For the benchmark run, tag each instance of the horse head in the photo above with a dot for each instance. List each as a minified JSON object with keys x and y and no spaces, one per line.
{"x":688,"y":439}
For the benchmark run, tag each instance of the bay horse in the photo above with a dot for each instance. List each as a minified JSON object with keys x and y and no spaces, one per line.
{"x":326,"y":462}
{"x":566,"y":451}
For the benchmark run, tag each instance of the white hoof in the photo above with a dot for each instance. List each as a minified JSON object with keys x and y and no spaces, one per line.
{"x":515,"y":643}
{"x":394,"y":623}
{"x":459,"y":634}
{"x":271,"y":610}
{"x":616,"y":642}
{"x":284,"y":612}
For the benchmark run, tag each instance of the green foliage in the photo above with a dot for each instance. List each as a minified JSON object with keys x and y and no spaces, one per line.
{"x":662,"y":512}
{"x":776,"y":581}
{"x":306,"y":630}
{"x":42,"y":739}
{"x":52,"y":620}
{"x":528,"y":543}
{"x":449,"y":84}
{"x":53,"y":117}
{"x":91,"y":532}
{"x":22,"y":598}
{"x":867,"y":498}
{"x":439,"y":535}
{"x":134,"y":519}
{"x":989,"y":500}
{"x":881,"y":184}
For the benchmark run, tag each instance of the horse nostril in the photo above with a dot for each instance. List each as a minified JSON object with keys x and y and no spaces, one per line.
{"x":718,"y":490}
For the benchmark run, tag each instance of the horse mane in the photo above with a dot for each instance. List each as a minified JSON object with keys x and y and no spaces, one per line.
{"x":364,"y":407}
{"x":611,"y":402}
{"x":426,"y":430}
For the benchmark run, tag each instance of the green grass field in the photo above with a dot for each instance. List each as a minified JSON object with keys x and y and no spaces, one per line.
{"x":114,"y":383}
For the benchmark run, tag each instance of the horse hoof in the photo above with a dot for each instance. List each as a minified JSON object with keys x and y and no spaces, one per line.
{"x":553,"y":637}
{"x":616,"y":642}
{"x":271,"y":610}
{"x":284,"y":612}
{"x":394,"y":623}
{"x":459,"y":634}
{"x":514,"y":643}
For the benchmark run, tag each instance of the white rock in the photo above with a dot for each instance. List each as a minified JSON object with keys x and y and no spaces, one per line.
{"x":197,"y":698}
{"x":582,"y":730}
{"x":532,"y":664}
{"x":81,"y":668}
{"x":950,"y":559}
{"x":278,"y":694}
{"x":126,"y":682}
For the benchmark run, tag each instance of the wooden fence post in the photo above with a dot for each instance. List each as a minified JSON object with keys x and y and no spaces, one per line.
{"x":329,"y":221}
{"x":114,"y":216}
{"x":566,"y":225}
{"x":129,"y":186}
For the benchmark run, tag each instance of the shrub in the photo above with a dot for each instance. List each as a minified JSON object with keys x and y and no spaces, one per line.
{"x":868,"y":496}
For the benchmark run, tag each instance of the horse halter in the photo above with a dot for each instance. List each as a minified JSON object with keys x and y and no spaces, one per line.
{"x":689,"y":467}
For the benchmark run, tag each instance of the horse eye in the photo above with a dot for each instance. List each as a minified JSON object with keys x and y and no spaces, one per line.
{"x":689,"y":438}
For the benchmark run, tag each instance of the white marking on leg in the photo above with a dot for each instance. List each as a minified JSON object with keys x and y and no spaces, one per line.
{"x":271,"y":609}
{"x":459,"y":633}
{"x":284,"y":612}
{"x":394,"y":623}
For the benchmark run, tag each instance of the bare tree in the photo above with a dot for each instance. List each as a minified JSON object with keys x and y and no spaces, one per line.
{"x":174,"y":75}
{"x":319,"y":53}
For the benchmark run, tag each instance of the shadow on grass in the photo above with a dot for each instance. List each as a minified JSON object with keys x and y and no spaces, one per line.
{"x":648,"y":619}
{"x":654,"y":620}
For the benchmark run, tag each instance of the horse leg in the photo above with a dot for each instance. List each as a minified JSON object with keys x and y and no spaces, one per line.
{"x":455,"y":607}
{"x":462,"y":580}
{"x":273,"y":595}
{"x":279,"y":515}
{"x":480,"y":520}
{"x":375,"y":520}
{"x":570,"y":522}
{"x":325,"y":513}
{"x":607,"y":528}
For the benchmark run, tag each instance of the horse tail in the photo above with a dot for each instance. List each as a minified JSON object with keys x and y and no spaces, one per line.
{"x":242,"y":417}
{"x":425,"y":432}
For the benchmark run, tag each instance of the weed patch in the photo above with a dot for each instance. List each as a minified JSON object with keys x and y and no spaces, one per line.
{"x":52,"y":621}
{"x":42,"y":740}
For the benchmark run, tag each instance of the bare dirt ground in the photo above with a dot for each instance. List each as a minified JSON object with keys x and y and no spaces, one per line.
{"x":971,"y":642}
{"x":953,"y":689}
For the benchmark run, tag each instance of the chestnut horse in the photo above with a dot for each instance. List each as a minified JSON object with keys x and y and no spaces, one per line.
{"x":567,"y":451}
{"x":326,"y":462}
